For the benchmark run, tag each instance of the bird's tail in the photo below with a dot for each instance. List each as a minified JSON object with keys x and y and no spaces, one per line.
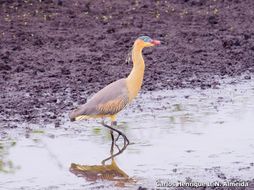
{"x":74,"y":116}
{"x":80,"y":113}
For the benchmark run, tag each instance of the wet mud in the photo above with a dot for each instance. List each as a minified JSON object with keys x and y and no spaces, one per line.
{"x":54,"y":54}
{"x":202,"y":136}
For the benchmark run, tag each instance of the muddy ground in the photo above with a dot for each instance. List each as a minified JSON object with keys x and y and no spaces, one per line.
{"x":54,"y":54}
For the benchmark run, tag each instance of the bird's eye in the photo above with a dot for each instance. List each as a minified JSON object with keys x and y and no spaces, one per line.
{"x":146,"y":38}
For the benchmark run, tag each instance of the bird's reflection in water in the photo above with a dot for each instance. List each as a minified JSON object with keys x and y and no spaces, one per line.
{"x":109,"y":172}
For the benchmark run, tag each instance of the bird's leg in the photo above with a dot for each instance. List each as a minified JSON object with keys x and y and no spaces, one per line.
{"x":112,"y":136}
{"x":117,"y":147}
{"x":111,"y":132}
{"x":112,"y":144}
{"x":114,"y":124}
{"x":113,"y":155}
{"x":126,"y":140}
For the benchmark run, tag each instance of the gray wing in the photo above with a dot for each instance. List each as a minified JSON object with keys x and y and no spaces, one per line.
{"x":108,"y":101}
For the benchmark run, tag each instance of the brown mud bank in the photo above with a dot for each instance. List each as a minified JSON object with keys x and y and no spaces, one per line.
{"x":53,"y":54}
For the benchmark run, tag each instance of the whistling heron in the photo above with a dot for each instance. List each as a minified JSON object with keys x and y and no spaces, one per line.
{"x":114,"y":97}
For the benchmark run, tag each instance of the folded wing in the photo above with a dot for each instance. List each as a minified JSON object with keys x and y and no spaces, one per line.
{"x":108,"y":101}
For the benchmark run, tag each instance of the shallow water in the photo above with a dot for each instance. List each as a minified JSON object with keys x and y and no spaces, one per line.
{"x":205,"y":135}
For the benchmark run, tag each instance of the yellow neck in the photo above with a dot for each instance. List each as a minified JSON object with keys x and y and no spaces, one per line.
{"x":135,"y":78}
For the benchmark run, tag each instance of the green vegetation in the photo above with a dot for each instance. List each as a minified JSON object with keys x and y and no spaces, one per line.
{"x":6,"y":165}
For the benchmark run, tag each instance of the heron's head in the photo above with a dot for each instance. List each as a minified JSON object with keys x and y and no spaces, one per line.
{"x":146,"y":41}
